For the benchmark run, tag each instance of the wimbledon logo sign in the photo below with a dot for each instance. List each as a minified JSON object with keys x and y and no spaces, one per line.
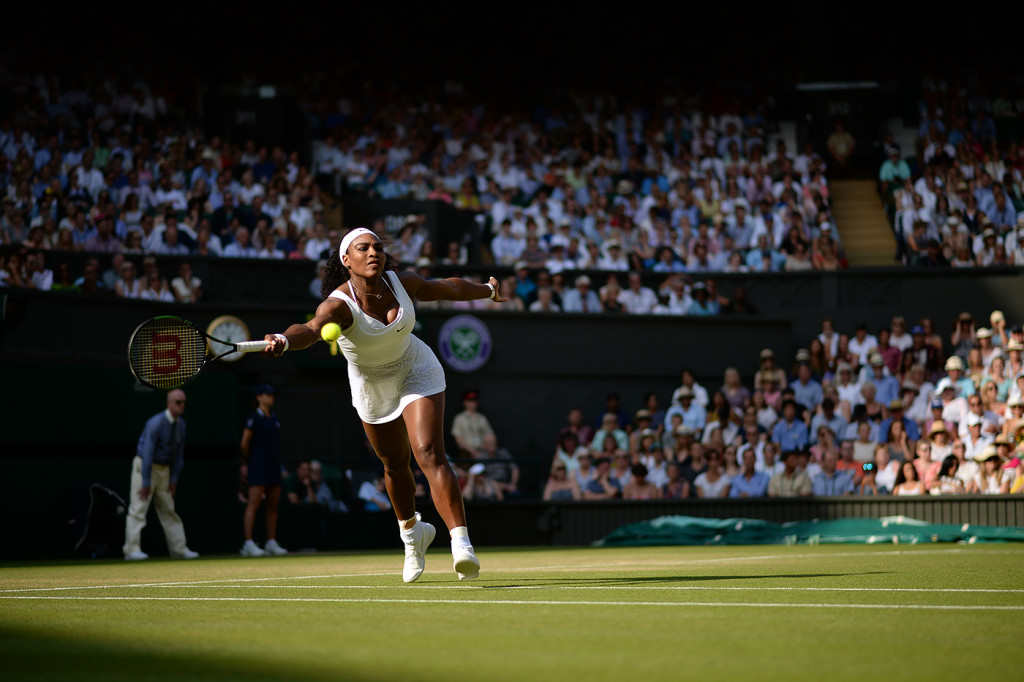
{"x":464,"y":343}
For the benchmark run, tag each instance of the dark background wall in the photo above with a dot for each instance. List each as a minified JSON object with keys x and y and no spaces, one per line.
{"x":67,"y":384}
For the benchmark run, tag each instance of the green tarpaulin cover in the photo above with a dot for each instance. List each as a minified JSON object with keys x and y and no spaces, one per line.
{"x":691,"y":530}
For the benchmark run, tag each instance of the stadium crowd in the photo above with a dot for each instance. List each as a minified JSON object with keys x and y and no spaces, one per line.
{"x":673,"y":192}
{"x":875,"y":412}
{"x":957,"y":198}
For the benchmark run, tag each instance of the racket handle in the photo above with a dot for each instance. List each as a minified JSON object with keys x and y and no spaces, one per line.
{"x":251,"y":346}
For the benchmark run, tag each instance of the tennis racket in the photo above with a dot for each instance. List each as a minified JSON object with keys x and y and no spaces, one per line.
{"x":167,"y":351}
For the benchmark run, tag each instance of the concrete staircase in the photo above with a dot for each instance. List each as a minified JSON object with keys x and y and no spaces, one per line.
{"x":862,"y":224}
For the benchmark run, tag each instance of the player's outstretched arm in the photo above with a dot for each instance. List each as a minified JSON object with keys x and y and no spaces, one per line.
{"x":449,"y":289}
{"x":299,"y":336}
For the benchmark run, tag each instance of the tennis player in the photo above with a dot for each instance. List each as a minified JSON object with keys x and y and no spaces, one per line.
{"x":397,"y":382}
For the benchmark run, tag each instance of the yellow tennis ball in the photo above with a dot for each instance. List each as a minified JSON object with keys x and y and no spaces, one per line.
{"x":330,"y":332}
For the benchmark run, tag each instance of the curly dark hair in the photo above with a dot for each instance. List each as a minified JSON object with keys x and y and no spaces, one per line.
{"x":336,"y":274}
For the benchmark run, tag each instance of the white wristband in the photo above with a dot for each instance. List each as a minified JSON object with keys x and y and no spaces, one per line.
{"x":494,"y":292}
{"x":282,"y":338}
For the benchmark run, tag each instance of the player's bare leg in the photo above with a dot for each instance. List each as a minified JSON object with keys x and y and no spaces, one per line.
{"x":424,"y":423}
{"x":391,"y":443}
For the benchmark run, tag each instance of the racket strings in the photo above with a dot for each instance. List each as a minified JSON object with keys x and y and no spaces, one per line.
{"x":167,"y":352}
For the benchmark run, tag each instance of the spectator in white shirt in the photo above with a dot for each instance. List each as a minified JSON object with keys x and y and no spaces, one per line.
{"x":241,"y":247}
{"x":863,"y":344}
{"x":270,"y":249}
{"x":613,"y":258}
{"x":505,"y":247}
{"x":249,"y":189}
{"x":636,"y":298}
{"x":171,"y":246}
{"x":581,"y":299}
{"x":318,"y":242}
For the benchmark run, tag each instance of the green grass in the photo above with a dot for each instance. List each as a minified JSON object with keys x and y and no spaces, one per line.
{"x":929,"y":612}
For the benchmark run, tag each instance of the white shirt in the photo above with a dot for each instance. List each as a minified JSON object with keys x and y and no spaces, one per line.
{"x":174,"y":196}
{"x":712,"y":489}
{"x":235,"y":250}
{"x":639,"y":302}
{"x":902,"y":342}
{"x":863,"y":348}
{"x":245,"y":194}
{"x":150,"y":295}
{"x":700,"y":395}
{"x":43,"y":280}
{"x":302,"y":217}
{"x":314,"y":247}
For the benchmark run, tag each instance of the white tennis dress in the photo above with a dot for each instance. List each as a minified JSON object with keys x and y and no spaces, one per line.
{"x":388,"y":367}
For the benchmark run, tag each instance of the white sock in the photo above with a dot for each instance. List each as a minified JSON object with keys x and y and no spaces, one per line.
{"x":460,"y":537}
{"x":407,"y":524}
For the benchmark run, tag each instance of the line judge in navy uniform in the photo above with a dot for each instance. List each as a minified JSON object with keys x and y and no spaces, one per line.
{"x":261,"y":447}
{"x":159,"y":457}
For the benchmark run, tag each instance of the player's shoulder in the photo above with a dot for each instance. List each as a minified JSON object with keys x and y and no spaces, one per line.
{"x":409,"y":276}
{"x":411,"y":281}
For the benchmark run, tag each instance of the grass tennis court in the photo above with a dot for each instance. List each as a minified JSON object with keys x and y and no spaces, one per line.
{"x":936,"y":612}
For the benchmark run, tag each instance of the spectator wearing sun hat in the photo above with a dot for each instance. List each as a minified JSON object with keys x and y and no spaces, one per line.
{"x":897,"y":413}
{"x":935,"y":418}
{"x":1014,"y":416}
{"x":992,"y":423}
{"x":1008,"y":454}
{"x":991,"y":478}
{"x":702,"y":304}
{"x":954,"y":405}
{"x":693,"y":413}
{"x":997,"y":323}
{"x":887,"y":387}
{"x":984,"y":344}
{"x":975,"y":440}
{"x":956,"y":372}
{"x":768,"y":369}
{"x":581,"y":298}
{"x":1013,"y":242}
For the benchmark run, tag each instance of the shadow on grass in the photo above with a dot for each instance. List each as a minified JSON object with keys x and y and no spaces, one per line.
{"x":669,"y":580}
{"x":29,"y":654}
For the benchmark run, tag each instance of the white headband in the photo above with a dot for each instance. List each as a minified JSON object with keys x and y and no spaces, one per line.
{"x":346,"y":241}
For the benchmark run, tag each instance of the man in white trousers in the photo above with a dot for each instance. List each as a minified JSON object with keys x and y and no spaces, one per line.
{"x":158,"y":460}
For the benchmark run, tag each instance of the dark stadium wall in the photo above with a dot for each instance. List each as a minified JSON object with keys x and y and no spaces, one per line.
{"x":56,"y":348}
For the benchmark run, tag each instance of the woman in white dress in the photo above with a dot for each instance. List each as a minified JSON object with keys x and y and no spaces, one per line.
{"x":991,"y":478}
{"x":714,"y":482}
{"x":397,"y":383}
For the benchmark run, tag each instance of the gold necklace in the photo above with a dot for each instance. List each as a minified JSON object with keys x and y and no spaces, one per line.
{"x":365,"y":293}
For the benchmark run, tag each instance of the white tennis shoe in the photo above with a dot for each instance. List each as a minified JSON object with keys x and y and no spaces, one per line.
{"x":416,"y":540}
{"x":273,"y":548}
{"x":137,"y":555}
{"x":250,"y":549}
{"x":465,"y":562}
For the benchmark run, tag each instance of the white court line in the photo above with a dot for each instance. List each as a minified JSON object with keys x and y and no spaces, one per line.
{"x":545,"y":602}
{"x":684,"y":588}
{"x":196,"y":583}
{"x":758,"y":557}
{"x":608,"y":565}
